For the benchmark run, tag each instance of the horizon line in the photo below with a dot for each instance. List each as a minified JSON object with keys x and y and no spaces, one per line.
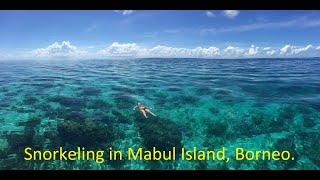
{"x":137,"y":58}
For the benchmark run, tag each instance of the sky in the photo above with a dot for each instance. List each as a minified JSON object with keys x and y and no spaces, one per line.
{"x":185,"y":34}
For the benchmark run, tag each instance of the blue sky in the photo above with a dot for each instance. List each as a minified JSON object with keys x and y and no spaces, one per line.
{"x":210,"y":34}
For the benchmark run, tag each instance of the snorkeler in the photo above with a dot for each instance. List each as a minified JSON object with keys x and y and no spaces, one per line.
{"x":143,"y":109}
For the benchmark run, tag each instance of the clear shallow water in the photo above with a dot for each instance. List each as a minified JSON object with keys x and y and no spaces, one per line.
{"x":256,"y":104}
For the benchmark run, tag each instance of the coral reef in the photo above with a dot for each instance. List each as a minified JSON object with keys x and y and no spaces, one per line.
{"x":87,"y":133}
{"x":158,"y":132}
{"x":75,"y":116}
{"x":90,"y":91}
{"x":30,"y":100}
{"x":98,"y":104}
{"x":287,"y":144}
{"x":217,"y":129}
{"x":71,"y":102}
{"x":217,"y":105}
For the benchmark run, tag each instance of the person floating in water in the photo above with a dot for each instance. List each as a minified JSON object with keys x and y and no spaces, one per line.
{"x":143,"y":109}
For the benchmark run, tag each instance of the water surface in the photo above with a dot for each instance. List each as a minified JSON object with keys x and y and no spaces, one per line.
{"x":252,"y":103}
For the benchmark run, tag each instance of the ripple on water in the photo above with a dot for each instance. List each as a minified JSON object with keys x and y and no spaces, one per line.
{"x":198,"y":102}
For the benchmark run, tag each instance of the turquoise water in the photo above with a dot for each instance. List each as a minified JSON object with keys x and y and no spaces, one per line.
{"x":256,"y":104}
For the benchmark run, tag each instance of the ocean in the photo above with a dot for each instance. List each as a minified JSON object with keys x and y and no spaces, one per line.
{"x":256,"y":104}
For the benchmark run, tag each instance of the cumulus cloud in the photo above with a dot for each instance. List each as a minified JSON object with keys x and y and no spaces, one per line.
{"x":67,"y":50}
{"x":271,"y":52}
{"x":210,"y":14}
{"x":285,"y":49}
{"x":233,"y":51}
{"x":230,"y":13}
{"x":289,"y":50}
{"x":126,"y":49}
{"x":63,"y":49}
{"x":166,"y":51}
{"x":302,"y":49}
{"x":253,"y":50}
{"x":125,"y":12}
{"x":134,"y":50}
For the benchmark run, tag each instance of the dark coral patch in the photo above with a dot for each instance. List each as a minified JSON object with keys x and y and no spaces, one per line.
{"x":123,"y":101}
{"x":258,"y":118}
{"x":91,"y":91}
{"x":18,"y":141}
{"x":53,"y":113}
{"x":309,"y":121}
{"x":76,"y":116}
{"x":98,"y":104}
{"x":87,"y":133}
{"x":217,"y":129}
{"x":103,"y":118}
{"x":119,"y":117}
{"x":311,"y":145}
{"x":287,"y":113}
{"x":29,"y":100}
{"x":287,"y":144}
{"x":203,"y":91}
{"x":246,"y":128}
{"x":160,"y":133}
{"x":32,"y":122}
{"x":71,"y":102}
{"x":214,"y":110}
{"x":188,"y":99}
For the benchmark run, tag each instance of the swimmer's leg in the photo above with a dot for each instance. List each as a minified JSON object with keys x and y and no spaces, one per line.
{"x":150,"y":112}
{"x":144,"y":113}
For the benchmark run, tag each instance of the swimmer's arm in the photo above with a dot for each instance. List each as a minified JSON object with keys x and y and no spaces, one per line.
{"x":134,"y":108}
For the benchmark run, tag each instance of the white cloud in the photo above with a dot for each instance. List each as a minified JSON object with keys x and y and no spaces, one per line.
{"x":67,"y":50}
{"x":133,"y":50}
{"x":271,"y":52}
{"x":233,"y":51}
{"x":125,"y":12}
{"x":285,"y":49}
{"x":126,"y":49}
{"x":210,"y":14}
{"x":231,"y":13}
{"x":289,"y":50}
{"x":166,"y":51}
{"x":253,"y":50}
{"x":302,"y":49}
{"x":55,"y":50}
{"x":267,"y":51}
